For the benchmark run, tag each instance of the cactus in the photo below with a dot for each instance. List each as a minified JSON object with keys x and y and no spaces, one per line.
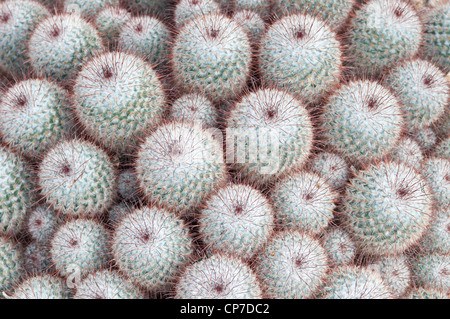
{"x":363,"y":121}
{"x":150,"y":246}
{"x":35,"y":115}
{"x":443,"y":149}
{"x":383,"y":33}
{"x":432,"y":271}
{"x":237,"y":220}
{"x":218,"y":277}
{"x":304,"y":201}
{"x":88,"y":8}
{"x":80,"y":246}
{"x":77,"y":178}
{"x":187,"y":10}
{"x":340,"y":248}
{"x":106,"y":284}
{"x":301,"y":54}
{"x":212,"y":55}
{"x":41,"y":287}
{"x":292,"y":265}
{"x":422,"y":293}
{"x":194,"y":108}
{"x":155,"y":7}
{"x":262,"y":7}
{"x":408,"y":152}
{"x":179,"y":165}
{"x":334,"y":12}
{"x":437,"y":172}
{"x":426,"y":138}
{"x":277,"y":130}
{"x":147,"y":37}
{"x":117,"y":212}
{"x":16,"y":197}
{"x":437,"y":238}
{"x":36,"y":258}
{"x":18,"y":19}
{"x":354,"y":282}
{"x":110,"y":22}
{"x":332,"y":167}
{"x":387,"y":208}
{"x":252,"y":24}
{"x":128,"y":185}
{"x":437,"y":35}
{"x":422,"y":90}
{"x":395,"y":273}
{"x":42,"y":222}
{"x":61,"y":44}
{"x":118,"y":97}
{"x":11,"y":263}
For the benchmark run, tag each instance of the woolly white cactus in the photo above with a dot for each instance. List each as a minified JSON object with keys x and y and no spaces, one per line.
{"x":332,"y":167}
{"x":110,"y":22}
{"x":437,"y":172}
{"x":150,"y":246}
{"x":42,"y":223}
{"x":437,"y":238}
{"x":187,"y":10}
{"x":426,"y":138}
{"x":41,"y":287}
{"x":237,"y":220}
{"x":36,"y":258}
{"x":77,"y":178}
{"x":118,"y":97}
{"x":117,"y":212}
{"x":292,"y":265}
{"x":443,"y":149}
{"x":427,"y":293}
{"x":11,"y":263}
{"x":252,"y":23}
{"x":304,"y":201}
{"x":218,"y":277}
{"x":194,"y":107}
{"x":395,"y":272}
{"x":408,"y":151}
{"x":262,"y":7}
{"x":432,"y":271}
{"x":338,"y":244}
{"x":88,"y":8}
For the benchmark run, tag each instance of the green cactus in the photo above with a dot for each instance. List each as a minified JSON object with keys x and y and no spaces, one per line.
{"x":41,"y":287}
{"x":77,"y":178}
{"x":437,"y":172}
{"x":432,"y":271}
{"x":150,"y":246}
{"x":118,"y":96}
{"x":187,"y":10}
{"x":88,"y":8}
{"x":338,"y":244}
{"x":11,"y":263}
{"x":301,"y":54}
{"x":194,"y":107}
{"x":110,"y":22}
{"x":395,"y":273}
{"x":332,"y":167}
{"x":218,"y":277}
{"x":18,"y":19}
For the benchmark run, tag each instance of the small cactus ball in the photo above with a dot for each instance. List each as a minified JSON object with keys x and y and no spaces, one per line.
{"x":395,"y":272}
{"x":437,"y":238}
{"x":252,"y":24}
{"x":110,"y":22}
{"x":42,"y":222}
{"x":340,"y":248}
{"x":41,"y":287}
{"x":11,"y":264}
{"x":187,"y":10}
{"x":332,"y":167}
{"x":437,"y":172}
{"x":432,"y":271}
{"x":194,"y":107}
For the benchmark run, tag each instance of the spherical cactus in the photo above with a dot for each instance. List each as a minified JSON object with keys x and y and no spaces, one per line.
{"x":334,"y":12}
{"x":382,"y":33}
{"x":340,"y":248}
{"x":301,"y":54}
{"x":42,"y":222}
{"x":437,"y":238}
{"x":118,"y":96}
{"x":276,"y":129}
{"x":11,"y":263}
{"x":110,"y":22}
{"x":61,"y":44}
{"x":353,"y":282}
{"x":388,"y":207}
{"x":35,"y":115}
{"x":252,"y":24}
{"x":77,"y":178}
{"x":147,"y":37}
{"x":363,"y":121}
{"x":437,"y":35}
{"x":179,"y":165}
{"x":395,"y":273}
{"x":79,"y":247}
{"x":16,"y":197}
{"x":106,"y":284}
{"x":36,"y":258}
{"x":262,"y":7}
{"x":155,"y":7}
{"x":432,"y":271}
{"x":117,"y":212}
{"x":88,"y":8}
{"x":150,"y":246}
{"x":194,"y":107}
{"x":426,"y":138}
{"x":128,"y":185}
{"x":437,"y":172}
{"x":429,"y":293}
{"x":237,"y":220}
{"x":218,"y":277}
{"x":187,"y":10}
{"x":212,"y":55}
{"x":422,"y":90}
{"x":18,"y":19}
{"x":304,"y":201}
{"x":408,"y":151}
{"x":292,"y":265}
{"x":332,"y":167}
{"x":443,"y":149}
{"x":41,"y":287}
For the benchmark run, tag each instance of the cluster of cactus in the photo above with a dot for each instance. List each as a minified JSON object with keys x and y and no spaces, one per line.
{"x":283,"y":149}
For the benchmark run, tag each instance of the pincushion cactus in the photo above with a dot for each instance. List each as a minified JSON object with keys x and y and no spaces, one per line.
{"x":36,"y":258}
{"x":237,"y":220}
{"x":187,"y":10}
{"x":80,"y":246}
{"x":437,"y":238}
{"x":382,"y":33}
{"x":252,"y":23}
{"x":179,"y":165}
{"x":18,"y":19}
{"x":432,"y":271}
{"x":339,"y":246}
{"x":292,"y":265}
{"x":11,"y":263}
{"x":409,"y":152}
{"x":194,"y":107}
{"x":430,"y":293}
{"x":304,"y":201}
{"x":87,"y":8}
{"x":110,"y":22}
{"x":212,"y":55}
{"x":437,"y":172}
{"x":150,"y":246}
{"x":395,"y":272}
{"x":301,"y":54}
{"x":35,"y":115}
{"x":42,"y":223}
{"x":388,"y":207}
{"x":363,"y":121}
{"x":41,"y":287}
{"x":155,"y":7}
{"x":426,"y":138}
{"x":218,"y":277}
{"x":117,"y":212}
{"x":77,"y":178}
{"x":128,"y":185}
{"x":106,"y":284}
{"x":60,"y":45}
{"x":332,"y":167}
{"x":276,"y":129}
{"x":262,"y":7}
{"x":118,"y":96}
{"x":443,"y":149}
